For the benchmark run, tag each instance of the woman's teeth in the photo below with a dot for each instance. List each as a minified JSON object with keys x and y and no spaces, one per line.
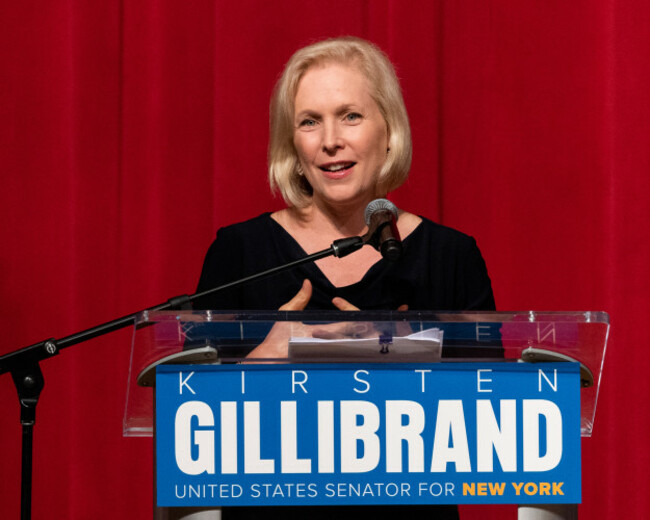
{"x":337,"y":167}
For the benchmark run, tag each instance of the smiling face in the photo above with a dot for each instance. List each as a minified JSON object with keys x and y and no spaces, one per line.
{"x":339,"y":134}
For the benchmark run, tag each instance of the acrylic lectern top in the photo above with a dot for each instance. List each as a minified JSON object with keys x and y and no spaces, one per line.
{"x":189,"y":337}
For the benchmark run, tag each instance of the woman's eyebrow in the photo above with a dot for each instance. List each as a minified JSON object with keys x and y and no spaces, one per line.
{"x":340,"y":110}
{"x":347,"y":108}
{"x":307,"y":113}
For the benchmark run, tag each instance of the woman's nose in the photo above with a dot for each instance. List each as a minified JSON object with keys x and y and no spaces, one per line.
{"x":332,"y":138}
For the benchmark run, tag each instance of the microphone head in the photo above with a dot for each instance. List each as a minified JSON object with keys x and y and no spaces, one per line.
{"x":381,"y":218}
{"x":379,"y":205}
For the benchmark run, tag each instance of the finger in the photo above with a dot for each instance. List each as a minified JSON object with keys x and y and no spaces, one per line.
{"x":403,"y":328}
{"x":327,"y":334}
{"x":276,"y":343}
{"x":300,"y":300}
{"x":343,"y":305}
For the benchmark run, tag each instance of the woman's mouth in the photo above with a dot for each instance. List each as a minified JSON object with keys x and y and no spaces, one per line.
{"x":336,"y":170}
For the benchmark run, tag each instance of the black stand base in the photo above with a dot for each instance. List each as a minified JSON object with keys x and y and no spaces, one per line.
{"x":29,"y":383}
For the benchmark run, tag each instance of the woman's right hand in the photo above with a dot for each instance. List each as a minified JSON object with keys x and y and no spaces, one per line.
{"x":300,"y":300}
{"x":276,"y":344}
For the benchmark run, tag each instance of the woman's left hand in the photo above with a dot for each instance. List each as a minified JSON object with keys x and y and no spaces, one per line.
{"x":347,"y":329}
{"x":344,"y":305}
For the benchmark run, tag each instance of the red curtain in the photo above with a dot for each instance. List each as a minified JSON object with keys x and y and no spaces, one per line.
{"x":130,"y":131}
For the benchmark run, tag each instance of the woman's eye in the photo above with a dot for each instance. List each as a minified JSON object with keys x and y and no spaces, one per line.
{"x":307,"y":123}
{"x":352,"y":117}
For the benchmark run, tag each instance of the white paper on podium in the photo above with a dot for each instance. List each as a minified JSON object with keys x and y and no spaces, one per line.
{"x":425,"y":345}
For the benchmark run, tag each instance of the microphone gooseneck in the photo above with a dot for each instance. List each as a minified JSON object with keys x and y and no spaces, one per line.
{"x":381,"y":218}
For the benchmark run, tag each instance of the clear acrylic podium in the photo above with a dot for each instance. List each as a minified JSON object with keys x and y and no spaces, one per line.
{"x":189,"y":337}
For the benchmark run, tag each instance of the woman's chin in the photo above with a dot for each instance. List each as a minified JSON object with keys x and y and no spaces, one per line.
{"x":345,"y":198}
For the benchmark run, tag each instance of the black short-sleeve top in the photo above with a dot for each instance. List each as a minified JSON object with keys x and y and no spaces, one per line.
{"x":440,"y":269}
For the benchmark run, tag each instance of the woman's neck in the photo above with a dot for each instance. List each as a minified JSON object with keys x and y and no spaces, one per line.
{"x":332,"y":220}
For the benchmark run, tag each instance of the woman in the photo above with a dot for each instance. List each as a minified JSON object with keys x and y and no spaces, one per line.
{"x":340,"y":138}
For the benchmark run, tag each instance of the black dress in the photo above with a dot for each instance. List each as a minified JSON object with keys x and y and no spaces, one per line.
{"x":440,"y":269}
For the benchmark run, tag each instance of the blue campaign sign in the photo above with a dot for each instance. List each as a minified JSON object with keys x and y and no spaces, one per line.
{"x":324,"y":434}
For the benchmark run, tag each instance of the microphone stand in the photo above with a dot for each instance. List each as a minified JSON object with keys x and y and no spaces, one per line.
{"x":23,"y":364}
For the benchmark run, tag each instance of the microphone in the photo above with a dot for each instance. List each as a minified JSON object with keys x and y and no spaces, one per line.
{"x":381,"y":218}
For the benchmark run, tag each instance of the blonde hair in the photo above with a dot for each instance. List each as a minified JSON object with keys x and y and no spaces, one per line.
{"x":385,"y":90}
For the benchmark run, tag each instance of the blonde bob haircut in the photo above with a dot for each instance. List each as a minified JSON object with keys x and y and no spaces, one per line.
{"x":284,"y":168}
